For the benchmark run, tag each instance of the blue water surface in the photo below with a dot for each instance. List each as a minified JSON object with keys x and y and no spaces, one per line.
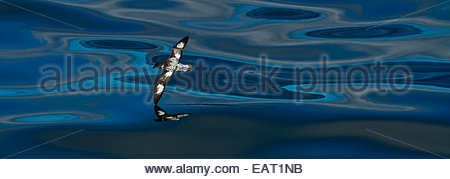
{"x":281,"y":36}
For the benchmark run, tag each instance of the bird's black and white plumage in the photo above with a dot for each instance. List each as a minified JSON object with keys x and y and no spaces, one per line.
{"x":170,"y":66}
{"x":163,"y":116}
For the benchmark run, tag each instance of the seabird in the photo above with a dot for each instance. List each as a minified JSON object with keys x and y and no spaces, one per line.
{"x":170,"y":66}
{"x":163,"y":116}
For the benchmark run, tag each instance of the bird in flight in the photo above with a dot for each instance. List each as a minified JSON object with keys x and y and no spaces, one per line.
{"x":170,"y":66}
{"x":163,"y":116}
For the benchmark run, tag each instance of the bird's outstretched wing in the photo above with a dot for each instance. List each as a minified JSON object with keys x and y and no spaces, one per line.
{"x":177,"y":50}
{"x":160,"y":85}
{"x":182,"y":43}
{"x":175,"y":54}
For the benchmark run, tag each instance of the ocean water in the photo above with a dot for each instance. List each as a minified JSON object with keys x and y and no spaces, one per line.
{"x":279,"y":121}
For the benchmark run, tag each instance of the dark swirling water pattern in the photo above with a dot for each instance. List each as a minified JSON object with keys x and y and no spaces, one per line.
{"x":325,"y":122}
{"x":247,"y":16}
{"x":51,"y":117}
{"x":117,"y":44}
{"x":282,"y":13}
{"x":382,"y":31}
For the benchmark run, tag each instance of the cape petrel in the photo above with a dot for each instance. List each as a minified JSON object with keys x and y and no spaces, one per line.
{"x":170,"y":66}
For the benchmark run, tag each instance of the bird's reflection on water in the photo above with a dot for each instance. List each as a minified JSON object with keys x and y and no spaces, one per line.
{"x":163,"y":116}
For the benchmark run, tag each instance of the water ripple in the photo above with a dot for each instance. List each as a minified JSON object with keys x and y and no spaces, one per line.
{"x":282,"y":13}
{"x":50,"y":117}
{"x":47,"y":118}
{"x":383,"y":31}
{"x":117,"y":44}
{"x":246,"y":16}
